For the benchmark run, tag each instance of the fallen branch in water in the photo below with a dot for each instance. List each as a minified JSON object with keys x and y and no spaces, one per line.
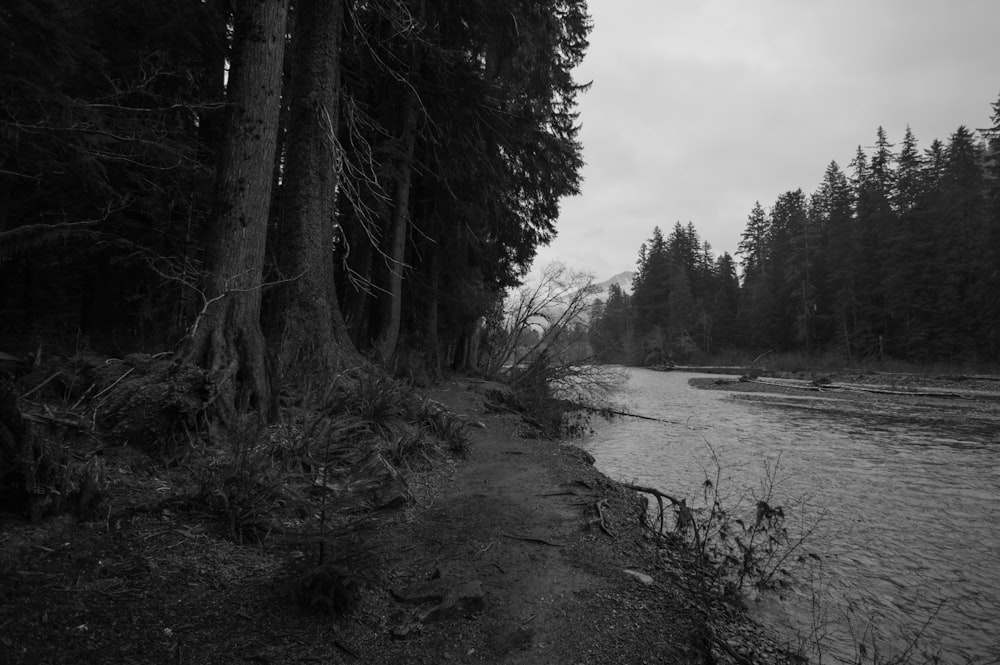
{"x":615,"y":412}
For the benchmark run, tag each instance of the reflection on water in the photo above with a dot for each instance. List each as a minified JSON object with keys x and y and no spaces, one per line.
{"x":910,"y":501}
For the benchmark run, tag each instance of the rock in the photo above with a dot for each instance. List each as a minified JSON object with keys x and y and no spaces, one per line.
{"x":405,"y":631}
{"x":463,"y":600}
{"x":642,"y":577}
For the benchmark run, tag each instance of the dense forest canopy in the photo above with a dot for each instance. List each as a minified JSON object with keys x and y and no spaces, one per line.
{"x":898,"y":257}
{"x":271,"y":186}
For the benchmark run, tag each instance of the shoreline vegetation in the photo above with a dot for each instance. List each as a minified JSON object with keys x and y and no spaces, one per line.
{"x":391,"y":526}
{"x":387,"y":524}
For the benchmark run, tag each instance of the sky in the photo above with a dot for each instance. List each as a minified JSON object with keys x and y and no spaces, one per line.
{"x":700,"y":108}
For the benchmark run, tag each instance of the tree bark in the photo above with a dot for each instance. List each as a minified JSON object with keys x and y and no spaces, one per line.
{"x":399,"y":222}
{"x":310,"y":331}
{"x":357,"y":298}
{"x":432,"y":339}
{"x":226,"y":337}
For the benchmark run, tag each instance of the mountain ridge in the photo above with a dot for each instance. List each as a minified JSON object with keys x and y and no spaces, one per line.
{"x":622,"y":279}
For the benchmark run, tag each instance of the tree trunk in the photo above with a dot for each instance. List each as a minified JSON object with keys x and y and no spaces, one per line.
{"x":432,"y":340}
{"x":15,"y":446}
{"x":310,"y":330}
{"x":226,"y":337}
{"x":392,"y":302}
{"x":357,"y":298}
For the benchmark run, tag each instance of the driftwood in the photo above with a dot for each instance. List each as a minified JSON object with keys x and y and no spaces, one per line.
{"x":906,"y":393}
{"x":858,"y":389}
{"x":635,"y":415}
{"x":946,"y":377}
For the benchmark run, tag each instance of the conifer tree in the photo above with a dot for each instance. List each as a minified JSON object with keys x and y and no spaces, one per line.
{"x":227,"y":338}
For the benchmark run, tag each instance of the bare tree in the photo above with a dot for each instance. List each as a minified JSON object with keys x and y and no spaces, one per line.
{"x":539,"y":345}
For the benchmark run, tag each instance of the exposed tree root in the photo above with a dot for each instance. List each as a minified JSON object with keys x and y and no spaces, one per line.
{"x":600,"y":520}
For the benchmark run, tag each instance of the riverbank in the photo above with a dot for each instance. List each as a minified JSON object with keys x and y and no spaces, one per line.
{"x":515,"y":554}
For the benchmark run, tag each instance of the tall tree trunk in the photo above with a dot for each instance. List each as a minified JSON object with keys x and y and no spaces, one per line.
{"x":310,"y":330}
{"x":399,"y":222}
{"x":226,"y":337}
{"x":357,"y":298}
{"x":432,"y":340}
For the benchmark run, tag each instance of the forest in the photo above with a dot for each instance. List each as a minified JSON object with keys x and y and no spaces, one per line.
{"x":896,"y":259}
{"x":272,"y":190}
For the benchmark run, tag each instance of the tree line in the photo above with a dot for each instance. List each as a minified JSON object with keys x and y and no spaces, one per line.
{"x":899,"y":257}
{"x":272,"y":189}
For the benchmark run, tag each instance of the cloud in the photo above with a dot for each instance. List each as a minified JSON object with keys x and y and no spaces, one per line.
{"x":699,"y":109}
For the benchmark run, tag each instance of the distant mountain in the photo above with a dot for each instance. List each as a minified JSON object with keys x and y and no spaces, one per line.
{"x":622,"y":279}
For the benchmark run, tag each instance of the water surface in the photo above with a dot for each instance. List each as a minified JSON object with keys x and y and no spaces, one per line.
{"x":907,"y":497}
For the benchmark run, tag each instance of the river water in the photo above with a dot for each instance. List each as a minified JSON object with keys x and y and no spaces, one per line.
{"x":907,"y":502}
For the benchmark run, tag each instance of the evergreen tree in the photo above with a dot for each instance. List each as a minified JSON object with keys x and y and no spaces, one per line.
{"x":227,"y":338}
{"x":787,"y":283}
{"x":609,"y":330}
{"x":650,"y":297}
{"x":106,"y":157}
{"x":991,"y":284}
{"x":754,"y":252}
{"x":835,"y":202}
{"x":875,"y":220}
{"x":965,"y":260}
{"x":908,"y":249}
{"x":724,"y":305}
{"x":308,"y":331}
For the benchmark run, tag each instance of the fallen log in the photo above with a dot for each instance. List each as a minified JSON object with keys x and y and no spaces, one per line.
{"x":858,"y":389}
{"x":906,"y":393}
{"x":635,"y":415}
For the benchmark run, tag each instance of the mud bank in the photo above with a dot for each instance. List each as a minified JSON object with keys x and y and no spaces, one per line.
{"x":567,"y":572}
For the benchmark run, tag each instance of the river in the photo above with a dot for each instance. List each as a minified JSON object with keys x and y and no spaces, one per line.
{"x":907,"y":504}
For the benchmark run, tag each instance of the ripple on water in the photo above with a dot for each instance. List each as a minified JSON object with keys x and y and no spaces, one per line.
{"x":909,"y":500}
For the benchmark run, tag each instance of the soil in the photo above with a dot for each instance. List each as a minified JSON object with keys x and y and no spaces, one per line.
{"x":516,"y":553}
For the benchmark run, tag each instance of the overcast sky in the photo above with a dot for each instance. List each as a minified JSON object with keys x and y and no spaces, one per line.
{"x":700,"y":108}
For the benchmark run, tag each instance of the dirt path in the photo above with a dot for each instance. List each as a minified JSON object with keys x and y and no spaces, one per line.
{"x":510,"y":530}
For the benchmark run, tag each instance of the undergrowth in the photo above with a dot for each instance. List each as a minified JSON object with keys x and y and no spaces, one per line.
{"x":305,"y":484}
